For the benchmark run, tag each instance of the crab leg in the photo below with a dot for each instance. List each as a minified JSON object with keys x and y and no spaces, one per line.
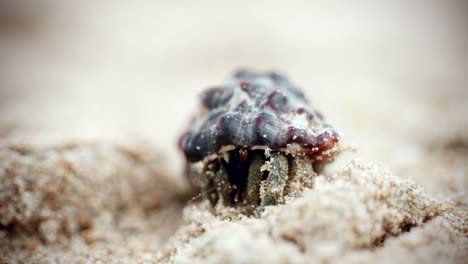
{"x":301,"y":175}
{"x":272,"y":188}
{"x":221,"y":183}
{"x":254,"y":179}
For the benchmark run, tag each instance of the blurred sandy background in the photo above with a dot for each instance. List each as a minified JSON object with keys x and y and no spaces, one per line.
{"x":392,"y":77}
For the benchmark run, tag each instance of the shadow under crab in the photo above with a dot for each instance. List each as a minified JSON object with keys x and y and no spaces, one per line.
{"x":252,"y":137}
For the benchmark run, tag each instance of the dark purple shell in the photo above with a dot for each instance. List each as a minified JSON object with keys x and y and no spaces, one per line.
{"x":255,"y":111}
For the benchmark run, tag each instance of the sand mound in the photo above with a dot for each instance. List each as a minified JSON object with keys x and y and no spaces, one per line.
{"x":88,"y":202}
{"x":349,"y":217}
{"x":65,"y":200}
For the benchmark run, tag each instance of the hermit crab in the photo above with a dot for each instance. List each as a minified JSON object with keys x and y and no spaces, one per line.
{"x":252,"y":137}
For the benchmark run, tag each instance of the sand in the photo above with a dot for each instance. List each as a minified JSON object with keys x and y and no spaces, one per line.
{"x":93,"y":98}
{"x":101,"y":202}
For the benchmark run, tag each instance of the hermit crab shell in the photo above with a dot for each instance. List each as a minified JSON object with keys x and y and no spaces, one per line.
{"x":257,"y":111}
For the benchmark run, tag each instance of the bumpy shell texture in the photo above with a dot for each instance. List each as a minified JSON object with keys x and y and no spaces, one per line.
{"x":255,"y":111}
